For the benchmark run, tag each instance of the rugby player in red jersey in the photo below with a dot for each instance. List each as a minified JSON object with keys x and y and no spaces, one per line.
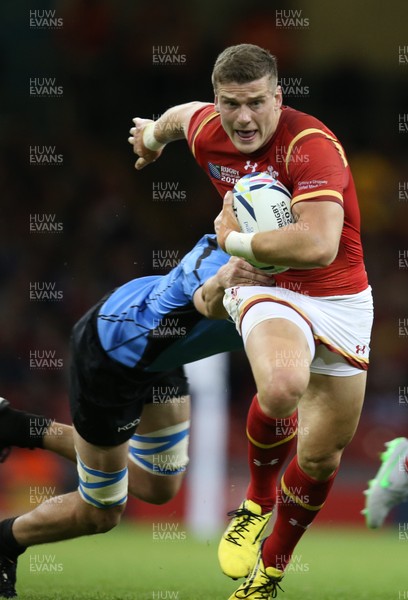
{"x":307,"y":339}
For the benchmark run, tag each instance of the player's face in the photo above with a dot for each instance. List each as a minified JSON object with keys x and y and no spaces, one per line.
{"x":249,"y":112}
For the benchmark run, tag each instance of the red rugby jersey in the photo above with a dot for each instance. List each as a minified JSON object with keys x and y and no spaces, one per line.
{"x":309,"y":160}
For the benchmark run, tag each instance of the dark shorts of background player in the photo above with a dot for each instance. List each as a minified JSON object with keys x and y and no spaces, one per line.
{"x":106,"y":397}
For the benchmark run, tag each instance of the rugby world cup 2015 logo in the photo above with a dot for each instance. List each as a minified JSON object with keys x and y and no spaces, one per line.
{"x":223,"y":173}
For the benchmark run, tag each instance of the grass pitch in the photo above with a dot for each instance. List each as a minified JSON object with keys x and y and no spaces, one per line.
{"x":138,"y":563}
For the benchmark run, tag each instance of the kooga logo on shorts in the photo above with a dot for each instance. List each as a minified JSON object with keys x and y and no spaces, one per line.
{"x":129,"y":425}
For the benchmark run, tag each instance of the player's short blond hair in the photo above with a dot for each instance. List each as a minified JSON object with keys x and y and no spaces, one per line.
{"x":242,"y":64}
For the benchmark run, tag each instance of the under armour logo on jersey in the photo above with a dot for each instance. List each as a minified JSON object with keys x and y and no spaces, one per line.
{"x":360,"y":349}
{"x":251,"y":166}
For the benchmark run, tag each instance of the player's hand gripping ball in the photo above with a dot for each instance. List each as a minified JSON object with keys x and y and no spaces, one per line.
{"x":262,"y":203}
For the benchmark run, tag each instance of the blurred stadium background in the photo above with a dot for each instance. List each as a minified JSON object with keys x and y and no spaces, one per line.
{"x":346,"y":63}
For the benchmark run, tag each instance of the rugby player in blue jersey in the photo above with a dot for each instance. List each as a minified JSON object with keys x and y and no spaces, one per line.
{"x":127,"y":352}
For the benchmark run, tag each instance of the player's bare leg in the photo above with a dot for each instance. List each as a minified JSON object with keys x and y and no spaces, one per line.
{"x":160,"y":481}
{"x":69,"y":516}
{"x":279,"y":354}
{"x":147,"y":485}
{"x":96,"y":508}
{"x":280,"y":358}
{"x":59,"y":439}
{"x":329,"y":412}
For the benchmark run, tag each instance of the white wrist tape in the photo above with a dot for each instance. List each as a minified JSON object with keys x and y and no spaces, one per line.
{"x":149,"y":139}
{"x":239,"y":244}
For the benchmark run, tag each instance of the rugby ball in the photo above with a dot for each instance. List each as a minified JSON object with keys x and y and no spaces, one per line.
{"x":262,"y":203}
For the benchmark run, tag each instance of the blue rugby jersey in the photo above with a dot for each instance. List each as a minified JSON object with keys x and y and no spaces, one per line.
{"x":151,"y":323}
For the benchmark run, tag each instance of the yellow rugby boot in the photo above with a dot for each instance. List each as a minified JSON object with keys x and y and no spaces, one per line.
{"x":261,"y":584}
{"x":241,"y":541}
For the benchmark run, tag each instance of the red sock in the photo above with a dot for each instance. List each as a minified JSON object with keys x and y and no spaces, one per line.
{"x":299,"y":500}
{"x":269,"y":443}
